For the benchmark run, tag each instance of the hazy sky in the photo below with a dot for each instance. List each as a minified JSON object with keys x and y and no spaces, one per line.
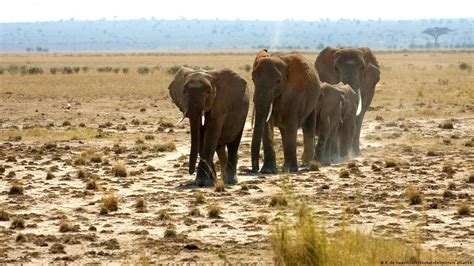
{"x":47,"y":10}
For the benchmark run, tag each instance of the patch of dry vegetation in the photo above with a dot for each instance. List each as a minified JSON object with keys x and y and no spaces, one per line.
{"x":414,"y":195}
{"x":109,"y":203}
{"x":213,"y":211}
{"x":119,"y":170}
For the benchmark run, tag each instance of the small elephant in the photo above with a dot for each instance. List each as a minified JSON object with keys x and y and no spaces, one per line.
{"x":216,"y":103}
{"x":286,"y":93}
{"x":357,"y":67}
{"x":336,"y":123}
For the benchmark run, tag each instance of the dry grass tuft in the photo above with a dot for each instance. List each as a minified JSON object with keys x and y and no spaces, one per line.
{"x":414,"y":195}
{"x":213,"y":211}
{"x":16,"y":189}
{"x":49,"y":175}
{"x":163,"y":215}
{"x":219,"y":186}
{"x":314,"y":166}
{"x":451,"y":186}
{"x":119,"y":170}
{"x":244,"y":187}
{"x":446,"y":125}
{"x":170,"y":232}
{"x":81,"y":173}
{"x":389,"y":163}
{"x":140,"y":205}
{"x":194,"y":212}
{"x":344,"y":173}
{"x":109,"y":203}
{"x":464,"y":209}
{"x":150,"y":168}
{"x":448,"y":194}
{"x":448,"y":168}
{"x":470,"y":178}
{"x":199,"y":197}
{"x":18,"y":223}
{"x":278,"y":200}
{"x":164,"y":147}
{"x":4,"y":216}
{"x":92,"y":184}
{"x":65,"y":226}
{"x":21,"y":238}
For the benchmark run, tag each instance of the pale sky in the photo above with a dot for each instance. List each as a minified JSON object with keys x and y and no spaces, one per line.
{"x":52,"y":10}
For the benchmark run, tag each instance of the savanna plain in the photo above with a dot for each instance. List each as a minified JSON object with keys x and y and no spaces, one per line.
{"x":93,"y":169}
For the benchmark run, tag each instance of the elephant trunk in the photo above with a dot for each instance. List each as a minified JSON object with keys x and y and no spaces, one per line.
{"x":262,"y":116}
{"x":195,"y":122}
{"x":353,"y":81}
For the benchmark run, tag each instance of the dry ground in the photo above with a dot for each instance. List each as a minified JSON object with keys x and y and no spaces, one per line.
{"x":78,"y":126}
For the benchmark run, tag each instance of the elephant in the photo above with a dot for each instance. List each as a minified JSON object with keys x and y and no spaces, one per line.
{"x":357,"y":67}
{"x":216,"y":103}
{"x":336,"y":123}
{"x":286,"y":93}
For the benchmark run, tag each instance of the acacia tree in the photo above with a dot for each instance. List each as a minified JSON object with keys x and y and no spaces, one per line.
{"x":436,"y":32}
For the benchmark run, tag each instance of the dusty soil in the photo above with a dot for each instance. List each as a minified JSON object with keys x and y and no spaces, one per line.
{"x":372,"y":198}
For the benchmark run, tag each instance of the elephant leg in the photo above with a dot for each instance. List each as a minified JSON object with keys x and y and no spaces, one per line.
{"x":206,"y":175}
{"x":309,"y":129}
{"x":269,"y":158}
{"x":231,"y":169}
{"x":221,"y":153}
{"x":321,"y":147}
{"x":356,"y":143}
{"x":289,"y":148}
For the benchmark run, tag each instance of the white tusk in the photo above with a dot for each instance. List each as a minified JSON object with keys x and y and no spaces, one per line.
{"x":269,"y":112}
{"x":203,"y":119}
{"x":359,"y":106}
{"x":182,"y":118}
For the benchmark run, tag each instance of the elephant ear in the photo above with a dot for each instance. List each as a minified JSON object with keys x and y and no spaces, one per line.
{"x":325,"y":65}
{"x":371,"y":73}
{"x":176,"y":87}
{"x":299,"y":74}
{"x":260,"y":54}
{"x":230,"y":87}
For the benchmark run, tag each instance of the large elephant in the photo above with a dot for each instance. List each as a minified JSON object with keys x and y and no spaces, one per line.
{"x":216,"y":103}
{"x":336,"y":123}
{"x":357,"y":67}
{"x":286,"y":93}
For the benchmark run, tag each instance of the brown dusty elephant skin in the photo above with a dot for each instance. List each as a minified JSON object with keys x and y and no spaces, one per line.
{"x":286,"y":93}
{"x":357,"y":67}
{"x":336,"y":118}
{"x":216,"y":103}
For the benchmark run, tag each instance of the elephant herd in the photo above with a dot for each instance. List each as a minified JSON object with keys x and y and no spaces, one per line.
{"x":327,"y":99}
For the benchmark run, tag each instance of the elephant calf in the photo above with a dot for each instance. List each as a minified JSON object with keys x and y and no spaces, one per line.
{"x":336,"y":122}
{"x":216,"y":103}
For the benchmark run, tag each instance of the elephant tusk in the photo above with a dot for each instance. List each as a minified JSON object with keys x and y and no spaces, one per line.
{"x":203,"y":119}
{"x":269,"y":112}
{"x":359,"y":106}
{"x":182,"y":118}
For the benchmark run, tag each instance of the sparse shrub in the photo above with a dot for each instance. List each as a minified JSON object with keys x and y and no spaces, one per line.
{"x":219,"y":186}
{"x":247,"y":68}
{"x":470,"y":178}
{"x":150,"y":168}
{"x":76,"y":69}
{"x":143,"y":109}
{"x":451,"y":186}
{"x":140,"y":205}
{"x":81,"y":173}
{"x":82,"y":125}
{"x":431,"y":153}
{"x":95,"y":158}
{"x":53,"y":70}
{"x":116,"y":70}
{"x":194,"y":212}
{"x":16,"y":189}
{"x":17,"y":223}
{"x":170,"y":232}
{"x":173,"y":69}
{"x":85,"y":69}
{"x":149,"y":137}
{"x":66,"y":124}
{"x":464,"y":209}
{"x":352,"y":164}
{"x":448,"y":168}
{"x":4,"y":216}
{"x":199,"y":197}
{"x":65,"y":226}
{"x":278,"y":200}
{"x":244,"y":187}
{"x":213,"y":211}
{"x":414,"y":195}
{"x":389,"y":163}
{"x":80,"y":160}
{"x":21,"y":238}
{"x":67,"y":70}
{"x":448,"y":194}
{"x":446,"y":125}
{"x":313,"y":166}
{"x":49,"y":175}
{"x":351,"y":210}
{"x":125,"y":70}
{"x":163,"y":215}
{"x":119,"y":170}
{"x":109,"y":202}
{"x":465,"y":66}
{"x":344,"y":173}
{"x":92,"y":184}
{"x":143,"y":70}
{"x":103,"y":210}
{"x":106,"y":69}
{"x":119,"y":149}
{"x":164,"y":147}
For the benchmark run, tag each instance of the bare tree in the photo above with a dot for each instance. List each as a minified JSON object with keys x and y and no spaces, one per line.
{"x":436,"y":32}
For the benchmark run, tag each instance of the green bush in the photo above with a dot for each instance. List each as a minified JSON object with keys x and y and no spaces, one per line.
{"x":143,"y":70}
{"x":12,"y":69}
{"x":85,"y":69}
{"x":53,"y":70}
{"x":173,"y":69}
{"x":116,"y":70}
{"x":464,"y":66}
{"x":68,"y":70}
{"x":125,"y":70}
{"x":104,"y":69}
{"x":76,"y":69}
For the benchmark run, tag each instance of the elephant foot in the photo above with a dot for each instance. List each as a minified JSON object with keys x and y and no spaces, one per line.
{"x":356,"y":152}
{"x":269,"y":169}
{"x":290,"y":168}
{"x":230,"y":180}
{"x":205,"y":176}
